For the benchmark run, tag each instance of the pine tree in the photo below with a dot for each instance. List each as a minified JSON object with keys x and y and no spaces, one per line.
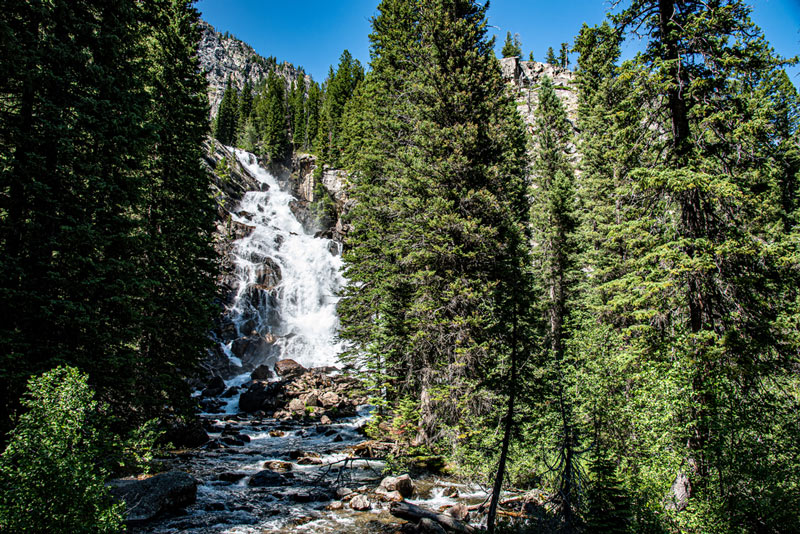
{"x":438,"y":246}
{"x":245,"y":107}
{"x":273,"y":122}
{"x":297,"y":109}
{"x":73,"y":140}
{"x":180,"y":214}
{"x":227,"y":116}
{"x":563,"y":55}
{"x":339,"y":88}
{"x":512,"y":47}
{"x":312,"y":112}
{"x":551,"y":56}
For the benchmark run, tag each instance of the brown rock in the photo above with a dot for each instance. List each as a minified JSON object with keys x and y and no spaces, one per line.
{"x":402,"y":484}
{"x":262,"y":372}
{"x":458,"y":511}
{"x":309,"y":461}
{"x":296,"y":405}
{"x":277,"y":433}
{"x":276,"y":465}
{"x":360,"y":503}
{"x":325,"y":420}
{"x":329,"y":398}
{"x":335,"y":505}
{"x":289,"y":369}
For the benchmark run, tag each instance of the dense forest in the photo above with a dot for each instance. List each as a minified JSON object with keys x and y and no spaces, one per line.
{"x":602,"y":308}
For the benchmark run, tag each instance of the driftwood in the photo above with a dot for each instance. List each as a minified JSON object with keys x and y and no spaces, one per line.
{"x":413,"y":513}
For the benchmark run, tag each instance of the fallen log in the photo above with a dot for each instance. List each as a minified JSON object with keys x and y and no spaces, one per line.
{"x":413,"y":513}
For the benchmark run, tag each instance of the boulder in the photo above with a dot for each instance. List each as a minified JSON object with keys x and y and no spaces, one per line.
{"x":278,"y":466}
{"x":186,"y":434}
{"x":329,"y":398}
{"x":458,"y":511}
{"x":297,"y":406}
{"x":267,"y":396}
{"x":289,"y":369}
{"x":215,"y":387}
{"x":335,"y":505}
{"x":402,"y":484}
{"x":146,"y":499}
{"x":360,"y":503}
{"x":325,"y":420}
{"x":267,"y":478}
{"x":253,"y":350}
{"x":262,"y":372}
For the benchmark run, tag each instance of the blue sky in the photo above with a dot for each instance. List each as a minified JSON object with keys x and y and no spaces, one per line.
{"x":313,"y":33}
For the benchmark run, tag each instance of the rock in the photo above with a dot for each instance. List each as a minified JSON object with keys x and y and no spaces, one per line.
{"x":215,"y":387}
{"x":335,"y":505}
{"x":183,"y":434}
{"x":145,"y":499}
{"x":262,"y":396}
{"x":231,"y":476}
{"x":389,"y":496}
{"x":289,"y":369}
{"x":230,"y":392}
{"x":268,"y":274}
{"x":329,"y":398}
{"x":267,"y":478}
{"x":309,"y":461}
{"x":232,"y":440}
{"x":343,"y":492}
{"x":360,"y":503}
{"x":262,"y":372}
{"x":297,"y":406}
{"x":278,"y":466}
{"x":451,"y":491}
{"x":429,"y":526}
{"x":277,"y":433}
{"x":325,"y":420}
{"x":312,"y":399}
{"x":458,"y":511}
{"x":253,"y":350}
{"x":402,"y":484}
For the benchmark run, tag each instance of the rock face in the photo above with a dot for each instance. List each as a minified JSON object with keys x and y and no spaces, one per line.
{"x":224,"y":56}
{"x":148,"y":498}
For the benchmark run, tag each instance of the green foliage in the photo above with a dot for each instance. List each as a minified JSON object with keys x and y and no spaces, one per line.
{"x":51,"y":472}
{"x":339,"y":89}
{"x":227,"y":116}
{"x":272,"y":120}
{"x":512,"y":47}
{"x":551,"y":56}
{"x":438,"y":233}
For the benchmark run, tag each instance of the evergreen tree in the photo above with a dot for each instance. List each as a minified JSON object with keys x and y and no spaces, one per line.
{"x":297,"y":110}
{"x":73,"y":141}
{"x":245,"y":107}
{"x":312,"y":112}
{"x":563,"y":55}
{"x":180,"y":214}
{"x":227,"y":116}
{"x":530,"y":56}
{"x":339,"y":88}
{"x":551,"y":56}
{"x":512,"y":47}
{"x":271,"y":112}
{"x":438,"y":245}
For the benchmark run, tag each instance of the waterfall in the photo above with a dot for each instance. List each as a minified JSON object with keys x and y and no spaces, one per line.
{"x":287,"y":283}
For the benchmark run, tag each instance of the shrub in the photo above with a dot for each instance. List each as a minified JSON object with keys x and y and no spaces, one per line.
{"x":51,"y":479}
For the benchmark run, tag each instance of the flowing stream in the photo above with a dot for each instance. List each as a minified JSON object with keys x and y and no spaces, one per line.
{"x":264,"y":475}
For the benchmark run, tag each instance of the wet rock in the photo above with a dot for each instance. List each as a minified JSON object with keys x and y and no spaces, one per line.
{"x":289,"y":369}
{"x":148,"y":498}
{"x":325,"y":420}
{"x":458,"y":511}
{"x":253,"y":350}
{"x":388,"y":496}
{"x":337,"y":439}
{"x":215,"y":387}
{"x":429,"y":526}
{"x":360,"y":503}
{"x":344,"y":492}
{"x":335,"y":505}
{"x":230,"y":392}
{"x":267,"y":478}
{"x":278,"y":466}
{"x":277,"y":433}
{"x":451,"y":491}
{"x":325,"y":369}
{"x":232,"y":440}
{"x":268,"y":274}
{"x":262,"y":372}
{"x":231,"y":476}
{"x":402,"y":484}
{"x":309,"y":461}
{"x":261,"y":396}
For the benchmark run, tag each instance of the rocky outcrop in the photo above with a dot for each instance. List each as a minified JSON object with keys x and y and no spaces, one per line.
{"x":148,"y":498}
{"x":222,"y":56}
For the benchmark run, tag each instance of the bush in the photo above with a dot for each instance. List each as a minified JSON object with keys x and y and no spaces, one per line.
{"x":50,"y":475}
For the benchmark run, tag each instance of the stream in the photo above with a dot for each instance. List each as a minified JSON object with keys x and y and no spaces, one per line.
{"x":294,"y":469}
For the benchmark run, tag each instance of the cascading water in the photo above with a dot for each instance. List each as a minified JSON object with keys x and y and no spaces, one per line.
{"x":287,"y":282}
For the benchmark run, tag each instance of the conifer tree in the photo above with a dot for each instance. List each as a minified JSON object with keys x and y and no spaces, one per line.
{"x":563,"y":55}
{"x":551,"y":56}
{"x":339,"y":88}
{"x":272,"y":116}
{"x":227,"y":116}
{"x":438,"y":246}
{"x":512,"y":47}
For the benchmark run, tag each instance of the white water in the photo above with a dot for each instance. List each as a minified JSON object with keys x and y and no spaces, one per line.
{"x":300,"y":310}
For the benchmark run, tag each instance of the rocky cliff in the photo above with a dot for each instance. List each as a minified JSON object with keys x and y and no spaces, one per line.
{"x":222,"y":56}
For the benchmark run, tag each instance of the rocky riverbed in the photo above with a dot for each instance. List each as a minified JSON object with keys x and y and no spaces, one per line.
{"x":302,"y":467}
